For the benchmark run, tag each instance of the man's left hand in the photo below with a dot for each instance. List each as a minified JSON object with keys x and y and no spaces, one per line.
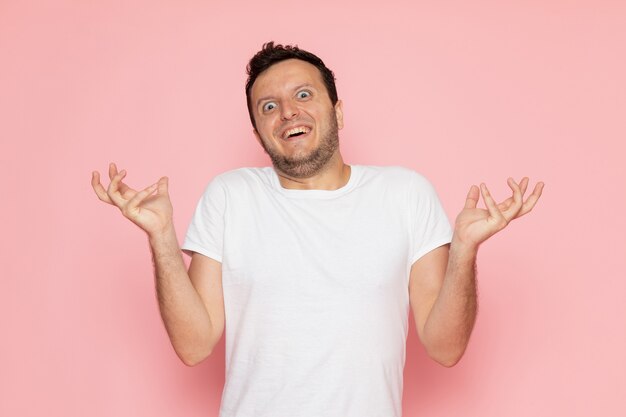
{"x":475,"y":225}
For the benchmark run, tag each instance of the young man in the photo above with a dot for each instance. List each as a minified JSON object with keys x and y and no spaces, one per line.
{"x":314,"y":263}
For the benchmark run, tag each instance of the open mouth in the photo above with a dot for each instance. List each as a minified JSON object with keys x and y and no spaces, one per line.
{"x":296,"y":132}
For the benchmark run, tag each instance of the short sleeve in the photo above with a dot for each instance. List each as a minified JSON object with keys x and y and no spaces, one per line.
{"x":430,"y":227}
{"x":205,"y":234}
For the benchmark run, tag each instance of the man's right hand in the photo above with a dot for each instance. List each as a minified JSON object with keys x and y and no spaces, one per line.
{"x":191,"y":303}
{"x":151,"y":212}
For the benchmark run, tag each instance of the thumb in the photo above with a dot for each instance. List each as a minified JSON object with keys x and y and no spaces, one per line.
{"x":162,"y":186}
{"x":472,"y":197}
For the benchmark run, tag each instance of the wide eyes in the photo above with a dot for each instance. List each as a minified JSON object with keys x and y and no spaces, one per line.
{"x":303,"y":94}
{"x":269,"y":106}
{"x":300,"y":95}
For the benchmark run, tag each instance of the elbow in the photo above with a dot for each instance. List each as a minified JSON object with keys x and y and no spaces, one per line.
{"x":446,"y":357}
{"x":445,"y":350}
{"x":448,"y":362}
{"x":194,"y":352}
{"x":191,"y":359}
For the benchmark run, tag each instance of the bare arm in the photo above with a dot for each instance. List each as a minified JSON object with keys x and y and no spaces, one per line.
{"x":444,"y":302}
{"x":190,"y":302}
{"x":442,"y":286}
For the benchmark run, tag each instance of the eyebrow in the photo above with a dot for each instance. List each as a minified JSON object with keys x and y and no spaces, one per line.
{"x":294,"y":89}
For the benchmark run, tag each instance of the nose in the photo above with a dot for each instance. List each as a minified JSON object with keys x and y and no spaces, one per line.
{"x":289,"y":110}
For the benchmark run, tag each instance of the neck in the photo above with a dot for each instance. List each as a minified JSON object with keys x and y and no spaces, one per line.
{"x":333,"y":176}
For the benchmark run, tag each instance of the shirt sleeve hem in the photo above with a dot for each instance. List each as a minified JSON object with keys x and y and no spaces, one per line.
{"x":190,"y":248}
{"x":434,"y":244}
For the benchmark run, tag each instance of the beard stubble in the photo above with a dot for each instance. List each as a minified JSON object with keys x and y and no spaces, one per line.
{"x":314,"y":162}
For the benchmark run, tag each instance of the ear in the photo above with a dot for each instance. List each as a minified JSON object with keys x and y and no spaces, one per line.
{"x":339,"y":114}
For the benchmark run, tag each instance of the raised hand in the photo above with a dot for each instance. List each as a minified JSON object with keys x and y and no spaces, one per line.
{"x":475,"y":225}
{"x":149,"y":210}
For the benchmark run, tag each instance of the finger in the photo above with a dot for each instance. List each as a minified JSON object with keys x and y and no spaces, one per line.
{"x":162,"y":186}
{"x":491,"y":206}
{"x":472,"y":197}
{"x":523,"y":184}
{"x":505,"y":204}
{"x":98,"y":188}
{"x":532,"y":199}
{"x":112,"y":170}
{"x":138,"y":198}
{"x":125,"y":190}
{"x":113,"y":190}
{"x":122,"y":187}
{"x":512,"y":211}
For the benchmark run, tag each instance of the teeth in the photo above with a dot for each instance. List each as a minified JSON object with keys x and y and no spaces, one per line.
{"x":300,"y":129}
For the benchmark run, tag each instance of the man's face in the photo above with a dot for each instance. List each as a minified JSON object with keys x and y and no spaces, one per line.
{"x":296,"y":122}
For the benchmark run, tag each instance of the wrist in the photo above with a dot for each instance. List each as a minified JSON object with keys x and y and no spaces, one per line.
{"x":160,"y":236}
{"x":463,"y":249}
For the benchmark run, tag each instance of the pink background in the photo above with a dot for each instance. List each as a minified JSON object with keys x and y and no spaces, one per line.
{"x":463,"y":92}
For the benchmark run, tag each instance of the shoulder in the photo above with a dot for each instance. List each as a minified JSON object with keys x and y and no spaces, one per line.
{"x":242,"y":178}
{"x":394,"y":175}
{"x":240,"y":181}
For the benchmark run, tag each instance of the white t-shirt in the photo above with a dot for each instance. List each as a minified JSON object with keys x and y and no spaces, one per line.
{"x":316,"y":287}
